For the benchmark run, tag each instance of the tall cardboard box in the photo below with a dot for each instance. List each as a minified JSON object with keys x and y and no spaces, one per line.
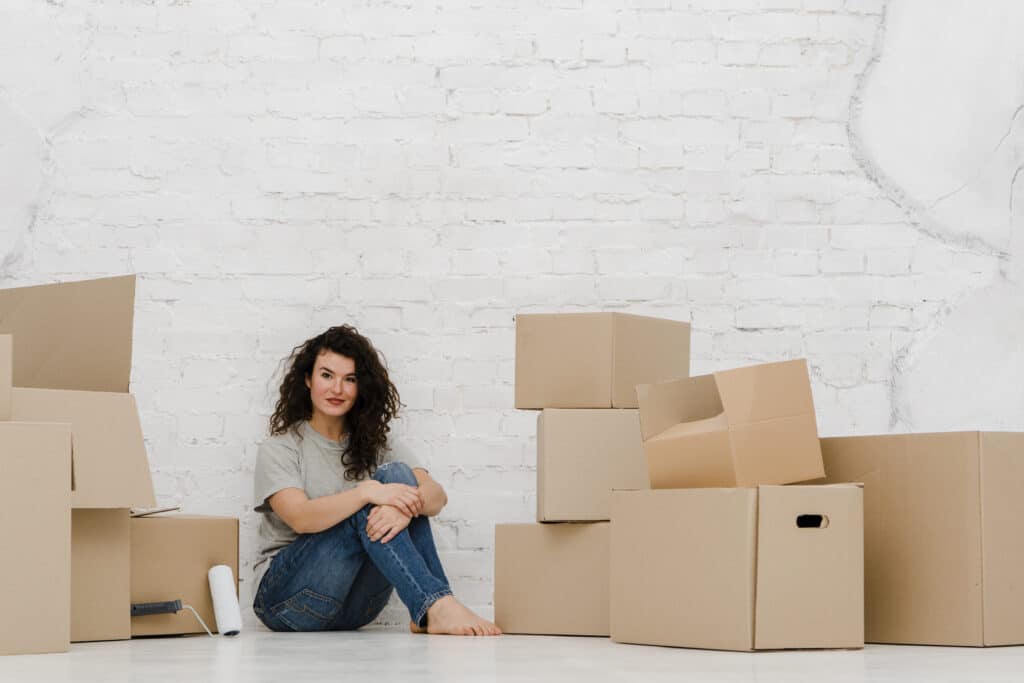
{"x":581,"y":456}
{"x":742,"y":427}
{"x":35,"y":524}
{"x":72,"y":362}
{"x":943,"y":532}
{"x":170,"y":558}
{"x":595,"y":360}
{"x":551,"y":579}
{"x":776,"y":567}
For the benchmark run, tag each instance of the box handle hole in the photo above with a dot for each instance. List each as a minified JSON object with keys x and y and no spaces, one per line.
{"x":811,"y":521}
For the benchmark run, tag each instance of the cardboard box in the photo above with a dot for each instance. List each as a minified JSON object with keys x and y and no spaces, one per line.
{"x":6,"y":370}
{"x":944,"y":534}
{"x":82,"y":379}
{"x":551,"y":579}
{"x":73,"y":335}
{"x":776,"y":567}
{"x":742,"y":427}
{"x":595,"y":360}
{"x":581,"y":456}
{"x":35,"y":576}
{"x":170,"y":558}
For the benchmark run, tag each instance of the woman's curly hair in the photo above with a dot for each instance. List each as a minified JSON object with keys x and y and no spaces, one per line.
{"x":377,"y":402}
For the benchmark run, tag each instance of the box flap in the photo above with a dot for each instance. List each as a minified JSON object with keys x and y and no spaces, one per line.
{"x":5,"y":376}
{"x":111,"y":467}
{"x":1002,"y":515}
{"x":762,"y":392}
{"x":695,"y":460}
{"x":646,"y":350}
{"x":666,"y":404}
{"x":782,"y":450}
{"x":810,"y":567}
{"x":75,"y":335}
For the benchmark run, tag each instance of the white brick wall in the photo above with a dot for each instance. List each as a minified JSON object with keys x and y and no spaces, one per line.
{"x":426,"y":170}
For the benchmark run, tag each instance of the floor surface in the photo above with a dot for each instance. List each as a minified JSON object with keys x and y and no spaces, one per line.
{"x":383,"y":655}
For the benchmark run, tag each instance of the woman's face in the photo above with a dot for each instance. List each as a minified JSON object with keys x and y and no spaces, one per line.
{"x":332,"y":386}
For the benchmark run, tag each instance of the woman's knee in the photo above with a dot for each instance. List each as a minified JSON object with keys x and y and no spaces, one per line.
{"x":395,"y":473}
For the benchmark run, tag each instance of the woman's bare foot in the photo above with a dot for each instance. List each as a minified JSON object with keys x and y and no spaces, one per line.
{"x":450,"y":617}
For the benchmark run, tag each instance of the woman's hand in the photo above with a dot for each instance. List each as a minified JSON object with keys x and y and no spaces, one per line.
{"x":405,"y":498}
{"x":385,"y":522}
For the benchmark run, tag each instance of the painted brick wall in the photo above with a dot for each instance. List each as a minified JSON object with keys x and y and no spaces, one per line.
{"x":424,"y":170}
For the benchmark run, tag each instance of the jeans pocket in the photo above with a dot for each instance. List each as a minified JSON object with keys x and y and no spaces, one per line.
{"x":307,"y":610}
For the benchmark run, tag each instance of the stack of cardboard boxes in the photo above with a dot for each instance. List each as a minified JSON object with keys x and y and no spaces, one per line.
{"x":73,"y":466}
{"x":908,"y":538}
{"x":706,"y":546}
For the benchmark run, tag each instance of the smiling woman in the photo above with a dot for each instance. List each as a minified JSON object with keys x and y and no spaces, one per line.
{"x":345,"y":510}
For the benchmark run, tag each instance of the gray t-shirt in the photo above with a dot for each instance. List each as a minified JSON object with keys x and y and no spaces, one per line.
{"x":302,"y":458}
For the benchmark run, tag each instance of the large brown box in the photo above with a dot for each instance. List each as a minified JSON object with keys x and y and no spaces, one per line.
{"x":82,"y":379}
{"x":595,"y":360}
{"x":581,"y":456}
{"x":742,"y":427}
{"x":551,"y":579}
{"x":35,"y":524}
{"x":944,"y":534}
{"x":773,"y":567}
{"x":170,"y":558}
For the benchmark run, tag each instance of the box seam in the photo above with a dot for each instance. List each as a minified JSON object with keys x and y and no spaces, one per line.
{"x":757,"y":549}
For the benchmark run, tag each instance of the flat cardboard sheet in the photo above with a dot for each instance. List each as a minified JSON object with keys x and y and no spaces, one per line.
{"x":595,"y":360}
{"x":35,"y":524}
{"x":581,"y":456}
{"x":75,"y":335}
{"x":551,"y":579}
{"x":170,"y":558}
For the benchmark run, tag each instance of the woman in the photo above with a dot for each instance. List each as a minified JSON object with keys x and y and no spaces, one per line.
{"x":344,"y":515}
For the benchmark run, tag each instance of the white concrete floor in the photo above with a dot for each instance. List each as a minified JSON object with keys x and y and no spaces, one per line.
{"x":382,"y":655}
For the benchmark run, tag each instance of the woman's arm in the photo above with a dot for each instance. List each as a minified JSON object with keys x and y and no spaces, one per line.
{"x":310,"y":516}
{"x":434,"y":497}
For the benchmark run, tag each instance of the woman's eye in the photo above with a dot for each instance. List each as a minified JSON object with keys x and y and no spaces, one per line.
{"x":325,"y":375}
{"x":350,"y":380}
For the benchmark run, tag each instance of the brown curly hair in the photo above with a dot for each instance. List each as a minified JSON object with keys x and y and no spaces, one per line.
{"x":377,"y":403}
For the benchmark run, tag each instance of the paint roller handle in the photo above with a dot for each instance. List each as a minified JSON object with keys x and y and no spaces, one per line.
{"x":141,"y":609}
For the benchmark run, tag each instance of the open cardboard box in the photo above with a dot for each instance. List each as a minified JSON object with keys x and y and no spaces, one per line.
{"x":72,"y":364}
{"x":742,"y":427}
{"x":35,"y":484}
{"x":594,"y":360}
{"x":773,"y":567}
{"x":943,"y":534}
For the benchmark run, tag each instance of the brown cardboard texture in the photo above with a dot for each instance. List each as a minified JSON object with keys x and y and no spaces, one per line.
{"x":551,"y":579}
{"x":170,"y":558}
{"x":5,"y":376}
{"x":742,"y":427}
{"x":944,"y":534}
{"x":776,"y":567}
{"x":595,"y":360}
{"x":74,"y":335}
{"x":35,"y":576}
{"x":581,"y":456}
{"x":72,"y":359}
{"x":100,"y":574}
{"x":110,"y":464}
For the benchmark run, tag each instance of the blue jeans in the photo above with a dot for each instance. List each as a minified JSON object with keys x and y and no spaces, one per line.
{"x":339,"y":580}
